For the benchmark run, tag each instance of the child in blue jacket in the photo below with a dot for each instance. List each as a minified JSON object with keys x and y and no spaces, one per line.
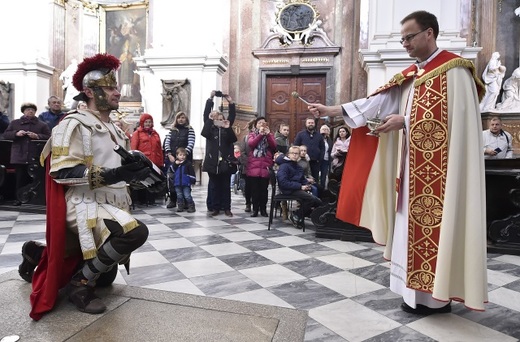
{"x":183,"y":178}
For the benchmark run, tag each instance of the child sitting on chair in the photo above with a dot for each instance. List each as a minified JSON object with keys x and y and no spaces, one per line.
{"x":292,"y":181}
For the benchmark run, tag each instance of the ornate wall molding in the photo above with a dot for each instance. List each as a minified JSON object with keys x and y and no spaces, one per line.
{"x":297,"y":24}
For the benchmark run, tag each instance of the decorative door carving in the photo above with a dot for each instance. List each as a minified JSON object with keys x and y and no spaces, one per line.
{"x":282,"y":107}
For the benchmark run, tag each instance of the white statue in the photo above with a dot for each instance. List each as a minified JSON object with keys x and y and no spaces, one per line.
{"x":511,"y":94}
{"x":66,"y":78}
{"x":307,"y":34}
{"x":492,"y":76}
{"x":283,"y":35}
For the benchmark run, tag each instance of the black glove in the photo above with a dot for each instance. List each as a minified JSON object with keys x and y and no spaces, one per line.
{"x":130,"y":173}
{"x":157,"y":187}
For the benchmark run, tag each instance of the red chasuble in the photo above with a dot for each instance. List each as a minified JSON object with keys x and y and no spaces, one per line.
{"x":428,"y":157}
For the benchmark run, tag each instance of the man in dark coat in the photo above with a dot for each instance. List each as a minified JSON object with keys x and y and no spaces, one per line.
{"x":54,"y":114}
{"x":315,"y":146}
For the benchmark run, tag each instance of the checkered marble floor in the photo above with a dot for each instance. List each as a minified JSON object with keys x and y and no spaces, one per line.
{"x":343,"y":285}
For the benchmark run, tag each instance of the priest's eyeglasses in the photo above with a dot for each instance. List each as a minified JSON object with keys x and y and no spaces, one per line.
{"x":408,"y":38}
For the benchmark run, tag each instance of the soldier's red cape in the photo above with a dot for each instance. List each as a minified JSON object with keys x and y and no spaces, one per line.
{"x":54,"y":269}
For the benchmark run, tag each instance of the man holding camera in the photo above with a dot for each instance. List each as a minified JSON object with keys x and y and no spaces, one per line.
{"x":497,"y":142}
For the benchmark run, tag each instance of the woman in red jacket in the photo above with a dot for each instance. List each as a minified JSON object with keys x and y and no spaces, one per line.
{"x":147,"y":140}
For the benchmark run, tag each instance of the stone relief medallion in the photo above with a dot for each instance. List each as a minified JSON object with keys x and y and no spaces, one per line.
{"x":296,"y":17}
{"x":296,"y":21}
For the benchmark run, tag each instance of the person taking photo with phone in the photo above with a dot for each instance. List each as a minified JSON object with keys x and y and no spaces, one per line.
{"x":219,"y":161}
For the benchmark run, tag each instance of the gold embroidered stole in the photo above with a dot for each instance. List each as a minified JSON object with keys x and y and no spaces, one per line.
{"x":428,"y":166}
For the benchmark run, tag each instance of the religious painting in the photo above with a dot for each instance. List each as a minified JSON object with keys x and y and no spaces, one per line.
{"x":125,"y":37}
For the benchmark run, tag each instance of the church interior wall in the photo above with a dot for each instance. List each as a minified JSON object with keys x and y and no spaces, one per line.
{"x":340,"y":22}
{"x":25,"y":60}
{"x":191,"y":48}
{"x":181,"y":34}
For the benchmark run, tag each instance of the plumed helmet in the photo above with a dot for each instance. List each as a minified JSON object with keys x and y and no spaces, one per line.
{"x":96,"y":71}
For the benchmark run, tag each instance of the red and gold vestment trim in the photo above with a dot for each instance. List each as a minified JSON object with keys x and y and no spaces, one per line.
{"x":428,"y":167}
{"x":443,"y":62}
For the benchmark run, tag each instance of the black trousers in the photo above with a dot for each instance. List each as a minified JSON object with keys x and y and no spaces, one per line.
{"x":22,"y":176}
{"x":219,"y":193}
{"x":115,"y":249}
{"x":126,"y":243}
{"x":315,"y":169}
{"x":308,"y":201}
{"x":248,"y":193}
{"x":259,"y":192}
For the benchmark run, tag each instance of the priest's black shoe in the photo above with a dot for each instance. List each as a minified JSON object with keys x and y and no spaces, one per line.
{"x":263,"y":213}
{"x":424,"y":310}
{"x":255,"y":213}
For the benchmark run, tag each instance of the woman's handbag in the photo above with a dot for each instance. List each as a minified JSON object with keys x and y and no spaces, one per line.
{"x":228,"y":165}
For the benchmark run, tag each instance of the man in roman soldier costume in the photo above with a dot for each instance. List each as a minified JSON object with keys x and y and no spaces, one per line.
{"x":431,"y":154}
{"x":89,"y":227}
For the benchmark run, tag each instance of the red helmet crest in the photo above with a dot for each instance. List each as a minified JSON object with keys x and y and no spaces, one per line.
{"x":102,"y":62}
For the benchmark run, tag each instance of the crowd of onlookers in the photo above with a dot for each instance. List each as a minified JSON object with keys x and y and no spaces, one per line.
{"x":302,"y":166}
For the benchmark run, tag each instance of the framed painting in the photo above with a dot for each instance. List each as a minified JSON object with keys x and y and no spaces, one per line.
{"x":124,"y":36}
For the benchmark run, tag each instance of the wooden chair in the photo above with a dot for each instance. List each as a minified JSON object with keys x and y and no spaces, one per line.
{"x":279,"y":198}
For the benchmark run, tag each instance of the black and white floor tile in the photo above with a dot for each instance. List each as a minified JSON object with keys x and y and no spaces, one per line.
{"x":343,"y":285}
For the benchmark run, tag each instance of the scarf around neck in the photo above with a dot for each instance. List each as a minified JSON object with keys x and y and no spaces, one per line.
{"x":260,"y":149}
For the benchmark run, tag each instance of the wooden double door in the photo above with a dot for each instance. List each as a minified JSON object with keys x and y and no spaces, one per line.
{"x":282,"y":107}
